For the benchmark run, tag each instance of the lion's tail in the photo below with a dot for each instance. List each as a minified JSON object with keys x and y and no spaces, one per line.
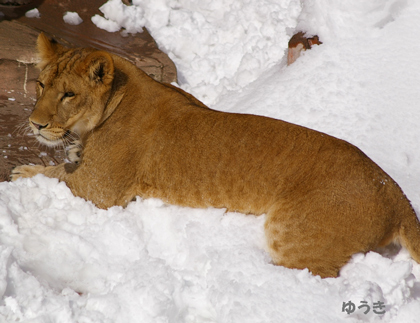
{"x":410,"y":232}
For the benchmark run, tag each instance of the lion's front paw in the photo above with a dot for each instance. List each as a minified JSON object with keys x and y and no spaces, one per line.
{"x":74,"y":151}
{"x":26,"y":171}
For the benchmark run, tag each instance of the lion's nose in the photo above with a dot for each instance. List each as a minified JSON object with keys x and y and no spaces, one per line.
{"x":39,"y":126}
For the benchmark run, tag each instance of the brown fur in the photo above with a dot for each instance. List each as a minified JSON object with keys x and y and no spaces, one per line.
{"x":325,"y":199}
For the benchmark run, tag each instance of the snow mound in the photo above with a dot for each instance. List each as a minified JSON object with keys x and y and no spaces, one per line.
{"x":33,"y":13}
{"x":65,"y":260}
{"x":217,"y":45}
{"x":72,"y":18}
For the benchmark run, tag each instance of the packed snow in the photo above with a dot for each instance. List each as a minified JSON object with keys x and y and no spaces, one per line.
{"x":72,"y":18}
{"x":64,"y":260}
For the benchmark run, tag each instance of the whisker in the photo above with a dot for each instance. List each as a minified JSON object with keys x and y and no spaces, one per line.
{"x":22,"y":128}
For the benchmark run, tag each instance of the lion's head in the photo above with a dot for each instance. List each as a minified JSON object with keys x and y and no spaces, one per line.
{"x":73,"y":89}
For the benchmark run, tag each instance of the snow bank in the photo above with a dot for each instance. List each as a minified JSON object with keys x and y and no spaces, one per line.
{"x":64,"y":260}
{"x":217,"y":45}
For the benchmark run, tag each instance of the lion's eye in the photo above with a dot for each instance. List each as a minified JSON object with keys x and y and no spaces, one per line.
{"x":40,"y":84}
{"x":67,"y":95}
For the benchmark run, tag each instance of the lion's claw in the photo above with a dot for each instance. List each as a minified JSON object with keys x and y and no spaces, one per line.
{"x":74,"y":151}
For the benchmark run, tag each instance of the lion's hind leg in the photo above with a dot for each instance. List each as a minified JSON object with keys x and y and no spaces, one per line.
{"x":299,"y":239}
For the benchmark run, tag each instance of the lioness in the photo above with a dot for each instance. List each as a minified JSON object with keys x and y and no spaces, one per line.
{"x":325,"y":199}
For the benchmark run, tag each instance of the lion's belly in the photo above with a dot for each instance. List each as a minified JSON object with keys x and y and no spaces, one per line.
{"x":240,"y":162}
{"x":219,"y":177}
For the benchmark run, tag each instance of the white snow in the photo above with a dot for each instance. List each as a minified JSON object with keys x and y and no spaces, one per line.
{"x":217,"y":45}
{"x":33,"y":13}
{"x":119,"y":15}
{"x":72,"y":18}
{"x":64,"y":260}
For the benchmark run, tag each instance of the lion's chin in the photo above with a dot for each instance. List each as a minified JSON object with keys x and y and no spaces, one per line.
{"x":49,"y":142}
{"x":53,"y":138}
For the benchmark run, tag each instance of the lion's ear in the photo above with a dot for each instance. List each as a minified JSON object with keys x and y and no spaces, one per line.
{"x":48,"y":50}
{"x":99,"y":67}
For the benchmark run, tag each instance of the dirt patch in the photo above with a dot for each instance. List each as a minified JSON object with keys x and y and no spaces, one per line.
{"x":17,"y":98}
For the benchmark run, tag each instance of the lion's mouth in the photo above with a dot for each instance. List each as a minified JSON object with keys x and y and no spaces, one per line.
{"x":54,"y":139}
